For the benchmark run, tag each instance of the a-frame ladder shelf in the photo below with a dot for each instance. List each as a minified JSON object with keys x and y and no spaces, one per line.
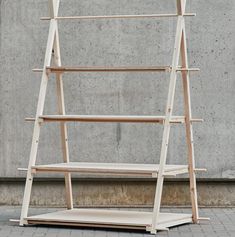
{"x":125,"y":169}
{"x":149,"y":221}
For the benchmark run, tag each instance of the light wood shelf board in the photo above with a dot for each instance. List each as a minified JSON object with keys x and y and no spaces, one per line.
{"x":111,"y":168}
{"x":109,"y":218}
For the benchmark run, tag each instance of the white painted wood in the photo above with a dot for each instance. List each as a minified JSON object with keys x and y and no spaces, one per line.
{"x":110,"y":218}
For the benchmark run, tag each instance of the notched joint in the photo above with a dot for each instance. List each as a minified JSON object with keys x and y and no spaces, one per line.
{"x":48,"y":71}
{"x":33,"y":171}
{"x":40,"y":120}
{"x":154,"y":175}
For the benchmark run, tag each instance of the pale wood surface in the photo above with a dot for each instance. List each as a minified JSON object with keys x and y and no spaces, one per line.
{"x":63,"y":126}
{"x":111,"y":217}
{"x":167,"y":125}
{"x":152,"y":221}
{"x":116,"y":16}
{"x":109,"y":69}
{"x":188,"y":125}
{"x":111,"y":118}
{"x":111,"y":168}
{"x":53,"y":10}
{"x":115,"y":69}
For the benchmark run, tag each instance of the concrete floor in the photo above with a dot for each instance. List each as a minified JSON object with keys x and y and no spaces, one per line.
{"x":222,"y":223}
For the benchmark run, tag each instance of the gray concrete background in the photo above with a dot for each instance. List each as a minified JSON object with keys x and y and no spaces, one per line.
{"x":117,"y":42}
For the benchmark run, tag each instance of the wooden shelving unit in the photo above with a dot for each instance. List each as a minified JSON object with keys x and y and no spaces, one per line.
{"x":150,"y":221}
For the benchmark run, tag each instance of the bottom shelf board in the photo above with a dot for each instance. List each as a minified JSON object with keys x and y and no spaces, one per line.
{"x":109,"y":218}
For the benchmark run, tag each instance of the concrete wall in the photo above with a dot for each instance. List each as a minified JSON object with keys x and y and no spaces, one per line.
{"x":117,"y":42}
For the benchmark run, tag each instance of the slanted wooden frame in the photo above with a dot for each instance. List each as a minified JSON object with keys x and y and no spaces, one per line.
{"x":153,"y":220}
{"x":179,"y":50}
{"x":52,"y":45}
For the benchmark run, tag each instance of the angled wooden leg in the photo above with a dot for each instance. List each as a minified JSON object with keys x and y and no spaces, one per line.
{"x":63,"y":127}
{"x":40,"y":108}
{"x":29,"y":178}
{"x":169,"y":109}
{"x":189,"y":129}
{"x":166,"y":132}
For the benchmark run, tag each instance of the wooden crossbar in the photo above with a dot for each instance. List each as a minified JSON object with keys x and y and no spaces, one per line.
{"x":114,"y":69}
{"x":111,"y":118}
{"x":108,"y":69}
{"x":164,"y":15}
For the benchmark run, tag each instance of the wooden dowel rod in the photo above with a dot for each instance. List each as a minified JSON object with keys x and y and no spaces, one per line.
{"x":106,"y":119}
{"x":112,"y":69}
{"x":180,"y":119}
{"x":203,"y":218}
{"x":200,"y":169}
{"x":116,"y":16}
{"x":37,"y":70}
{"x":96,"y":118}
{"x":188,"y":69}
{"x":14,"y":220}
{"x":108,"y":69}
{"x":40,"y":120}
{"x":196,"y":120}
{"x":100,"y":118}
{"x":29,"y":119}
{"x":22,"y":169}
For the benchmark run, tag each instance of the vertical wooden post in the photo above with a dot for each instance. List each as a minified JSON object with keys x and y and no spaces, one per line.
{"x":169,"y":109}
{"x":188,"y":126}
{"x":63,"y":127}
{"x":53,"y":6}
